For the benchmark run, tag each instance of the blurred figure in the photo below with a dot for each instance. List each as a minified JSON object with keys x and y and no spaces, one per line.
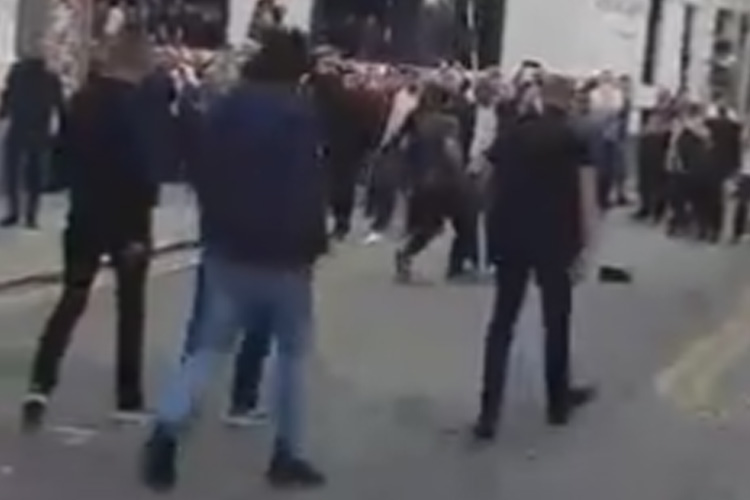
{"x":434,"y":176}
{"x":261,"y":194}
{"x":653,"y":178}
{"x":112,"y":194}
{"x":693,"y":177}
{"x":543,"y":175}
{"x":479,"y":126}
{"x":385,"y":173}
{"x":742,"y":194}
{"x":608,"y":111}
{"x":32,"y":101}
{"x":726,"y":152}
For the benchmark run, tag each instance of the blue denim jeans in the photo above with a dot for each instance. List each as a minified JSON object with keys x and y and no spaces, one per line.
{"x":233,"y":299}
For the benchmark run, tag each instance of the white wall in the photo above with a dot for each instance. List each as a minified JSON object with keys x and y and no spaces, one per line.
{"x":669,"y":50}
{"x":577,"y":36}
{"x":8,"y":18}
{"x":299,"y":14}
{"x":240,"y":13}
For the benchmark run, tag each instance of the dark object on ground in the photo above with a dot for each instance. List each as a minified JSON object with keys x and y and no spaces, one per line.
{"x":615,"y":275}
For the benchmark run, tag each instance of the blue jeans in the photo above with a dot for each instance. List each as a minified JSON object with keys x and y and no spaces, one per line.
{"x":232,"y":298}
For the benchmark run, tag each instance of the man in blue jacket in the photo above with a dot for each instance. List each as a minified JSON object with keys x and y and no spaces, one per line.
{"x":261,"y":193}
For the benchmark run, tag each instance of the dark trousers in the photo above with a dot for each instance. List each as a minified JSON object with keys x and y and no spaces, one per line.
{"x":681,"y":203}
{"x":465,"y":217}
{"x":652,"y":183}
{"x":513,"y":276}
{"x":343,"y":189}
{"x":23,"y":176}
{"x":83,"y":254}
{"x":708,"y":200}
{"x":384,"y":182}
{"x":739,"y":218}
{"x":428,"y":209}
{"x":249,"y":364}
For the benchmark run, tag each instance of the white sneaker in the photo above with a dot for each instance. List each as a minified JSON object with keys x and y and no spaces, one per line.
{"x":131,"y":417}
{"x":373,"y":238}
{"x":254,"y":418}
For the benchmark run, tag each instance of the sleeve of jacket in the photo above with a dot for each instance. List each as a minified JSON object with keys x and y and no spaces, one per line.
{"x":308,"y":145}
{"x":9,"y":92}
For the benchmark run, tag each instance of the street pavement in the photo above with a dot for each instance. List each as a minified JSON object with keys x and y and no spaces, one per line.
{"x":29,"y":256}
{"x":394,"y":385}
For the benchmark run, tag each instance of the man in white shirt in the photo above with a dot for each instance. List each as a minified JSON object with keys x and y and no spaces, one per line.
{"x":383,"y":194}
{"x":479,"y":122}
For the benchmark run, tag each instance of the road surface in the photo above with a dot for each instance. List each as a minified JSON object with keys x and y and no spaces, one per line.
{"x":394,"y":383}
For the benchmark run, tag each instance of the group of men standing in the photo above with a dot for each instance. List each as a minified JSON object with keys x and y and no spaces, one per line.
{"x":268,"y":158}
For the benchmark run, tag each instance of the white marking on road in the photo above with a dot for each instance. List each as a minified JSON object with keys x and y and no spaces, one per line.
{"x":692,"y":381}
{"x":74,"y":436}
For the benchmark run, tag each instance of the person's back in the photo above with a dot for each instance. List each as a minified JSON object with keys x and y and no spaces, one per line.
{"x":259,"y":185}
{"x":107,"y":157}
{"x":535,"y":198}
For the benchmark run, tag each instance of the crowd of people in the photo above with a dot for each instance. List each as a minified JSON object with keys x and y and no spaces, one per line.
{"x":522,"y":168}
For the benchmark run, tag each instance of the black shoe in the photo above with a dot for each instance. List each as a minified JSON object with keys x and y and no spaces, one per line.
{"x":9,"y":221}
{"x":403,"y":267}
{"x":33,"y":412}
{"x":483,"y":431}
{"x":288,"y":472}
{"x":615,"y":275}
{"x":577,"y":398}
{"x":159,"y":462}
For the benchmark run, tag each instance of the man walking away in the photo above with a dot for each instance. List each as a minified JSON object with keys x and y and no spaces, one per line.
{"x":262,"y":198}
{"x":33,"y":98}
{"x":111,"y":199}
{"x":543,"y":178}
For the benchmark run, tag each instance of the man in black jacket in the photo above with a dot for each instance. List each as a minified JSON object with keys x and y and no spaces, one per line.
{"x":542,"y":205}
{"x":32,"y":99}
{"x":111,"y":198}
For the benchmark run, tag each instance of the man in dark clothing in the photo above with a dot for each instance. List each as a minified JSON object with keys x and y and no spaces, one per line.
{"x":348,"y":135}
{"x":111,"y":198}
{"x":33,"y":98}
{"x":435,"y":176}
{"x":261,"y":192}
{"x":542,"y":180}
{"x":726,"y":153}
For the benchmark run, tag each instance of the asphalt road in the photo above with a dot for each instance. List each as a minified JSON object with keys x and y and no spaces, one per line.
{"x":394,"y":382}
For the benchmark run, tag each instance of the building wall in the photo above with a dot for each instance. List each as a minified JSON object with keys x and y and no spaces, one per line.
{"x":576,"y":36}
{"x":8,"y":16}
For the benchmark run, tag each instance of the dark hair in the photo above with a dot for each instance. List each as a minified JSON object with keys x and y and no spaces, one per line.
{"x":283,"y":58}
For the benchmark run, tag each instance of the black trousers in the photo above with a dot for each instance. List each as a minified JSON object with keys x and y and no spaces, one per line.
{"x":343,"y":176}
{"x":513,"y":276}
{"x":249,"y":364}
{"x":739,"y":218}
{"x":384,"y":184}
{"x":428,"y":209}
{"x":82,"y":255}
{"x":23,"y":176}
{"x":708,"y":202}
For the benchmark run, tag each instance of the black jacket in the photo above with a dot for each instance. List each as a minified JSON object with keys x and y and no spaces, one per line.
{"x":109,"y":160}
{"x":32,"y":95}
